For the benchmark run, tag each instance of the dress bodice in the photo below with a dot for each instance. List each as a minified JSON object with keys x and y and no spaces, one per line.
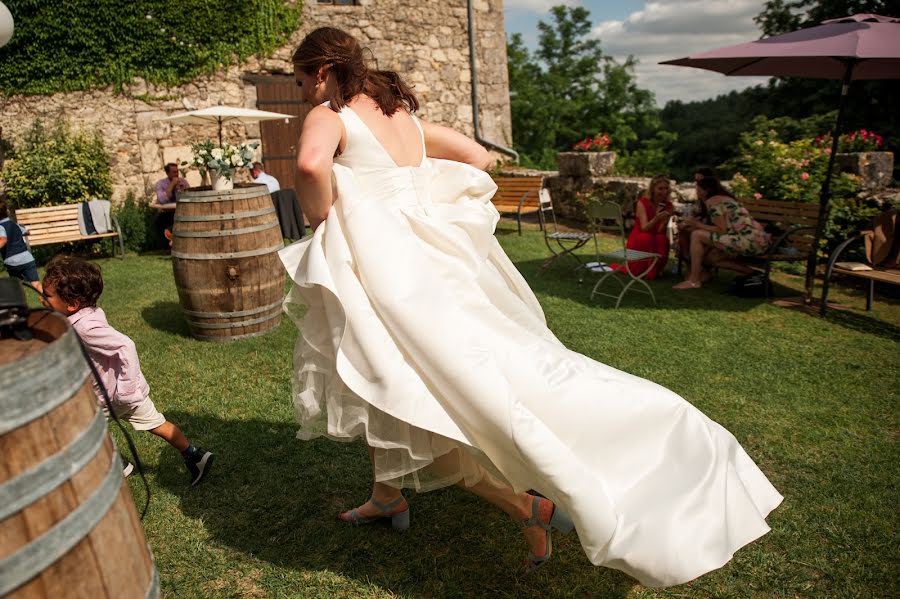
{"x":362,"y":151}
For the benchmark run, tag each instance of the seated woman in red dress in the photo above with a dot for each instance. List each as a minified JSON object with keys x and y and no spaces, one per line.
{"x":651,"y":217}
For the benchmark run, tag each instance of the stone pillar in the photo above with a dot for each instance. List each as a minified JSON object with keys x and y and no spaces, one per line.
{"x":875,"y":169}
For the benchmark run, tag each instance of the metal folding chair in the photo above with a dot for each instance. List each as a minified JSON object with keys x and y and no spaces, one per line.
{"x":607,"y":216}
{"x":565,"y":242}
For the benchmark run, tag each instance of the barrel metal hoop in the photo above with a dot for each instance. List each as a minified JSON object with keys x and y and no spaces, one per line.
{"x":220,"y":217}
{"x":229,"y":325}
{"x":31,"y":388}
{"x":226,"y":232}
{"x":36,"y":556}
{"x":37,"y":481}
{"x":225,"y":338}
{"x":153,"y":589}
{"x":271,"y":306}
{"x":228,"y":256}
{"x":246,"y":193}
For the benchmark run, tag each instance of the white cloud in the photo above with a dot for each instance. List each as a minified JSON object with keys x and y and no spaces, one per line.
{"x":539,"y":6}
{"x":669,"y":29}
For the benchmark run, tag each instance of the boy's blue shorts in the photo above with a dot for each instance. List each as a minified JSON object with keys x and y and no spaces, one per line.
{"x":27,"y":272}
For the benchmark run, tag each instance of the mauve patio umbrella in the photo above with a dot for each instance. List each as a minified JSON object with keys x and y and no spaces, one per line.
{"x":857,"y":47}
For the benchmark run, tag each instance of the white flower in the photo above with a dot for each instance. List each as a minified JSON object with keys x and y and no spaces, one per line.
{"x":217,"y":153}
{"x":235,"y":160}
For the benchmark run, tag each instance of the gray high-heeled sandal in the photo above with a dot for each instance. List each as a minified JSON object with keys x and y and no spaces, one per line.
{"x":399,"y":520}
{"x":559,"y":520}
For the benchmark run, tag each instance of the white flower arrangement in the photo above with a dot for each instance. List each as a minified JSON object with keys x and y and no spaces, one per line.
{"x":222,"y":159}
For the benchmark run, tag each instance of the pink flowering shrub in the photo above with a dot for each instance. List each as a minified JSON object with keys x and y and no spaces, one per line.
{"x":598,"y":143}
{"x":855,"y":141}
{"x":768,"y":168}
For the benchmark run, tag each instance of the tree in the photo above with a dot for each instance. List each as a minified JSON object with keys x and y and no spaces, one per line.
{"x":783,"y":16}
{"x":569,"y":89}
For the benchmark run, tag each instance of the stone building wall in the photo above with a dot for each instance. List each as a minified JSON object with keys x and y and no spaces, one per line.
{"x":426,"y":41}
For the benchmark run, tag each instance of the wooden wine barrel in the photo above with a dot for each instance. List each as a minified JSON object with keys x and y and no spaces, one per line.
{"x":224,"y":256}
{"x":68,"y":525}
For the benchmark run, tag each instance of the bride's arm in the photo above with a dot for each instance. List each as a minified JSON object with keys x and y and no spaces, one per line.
{"x":319,"y":140}
{"x":443,"y":142}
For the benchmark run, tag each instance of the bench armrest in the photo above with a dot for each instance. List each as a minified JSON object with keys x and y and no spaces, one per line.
{"x":784,"y":237}
{"x":832,"y":260}
{"x":524,"y":197}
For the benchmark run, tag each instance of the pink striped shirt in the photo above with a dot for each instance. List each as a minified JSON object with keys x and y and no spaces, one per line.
{"x":115,"y":357}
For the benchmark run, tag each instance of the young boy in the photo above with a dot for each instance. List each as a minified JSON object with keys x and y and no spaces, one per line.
{"x":72,"y":287}
{"x":14,"y":251}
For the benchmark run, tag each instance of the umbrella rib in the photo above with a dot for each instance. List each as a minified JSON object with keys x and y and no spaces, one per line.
{"x":743,"y":66}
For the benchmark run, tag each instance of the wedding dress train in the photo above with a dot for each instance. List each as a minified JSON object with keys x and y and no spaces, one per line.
{"x":418,"y":334}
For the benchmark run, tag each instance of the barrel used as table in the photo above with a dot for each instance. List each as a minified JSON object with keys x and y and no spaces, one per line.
{"x":68,"y":525}
{"x":224,"y":255}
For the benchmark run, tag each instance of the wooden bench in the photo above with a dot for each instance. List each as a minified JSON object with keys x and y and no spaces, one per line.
{"x":879,"y":274}
{"x":793,"y":227}
{"x":517,"y":195}
{"x":59,"y":224}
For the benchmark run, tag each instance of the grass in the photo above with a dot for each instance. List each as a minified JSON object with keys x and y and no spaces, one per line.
{"x":813,"y":401}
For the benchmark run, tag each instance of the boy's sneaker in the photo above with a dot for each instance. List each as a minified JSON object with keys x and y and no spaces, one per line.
{"x":127,"y":467}
{"x":198,"y":463}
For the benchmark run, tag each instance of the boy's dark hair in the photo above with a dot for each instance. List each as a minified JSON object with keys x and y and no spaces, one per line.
{"x":75,"y":281}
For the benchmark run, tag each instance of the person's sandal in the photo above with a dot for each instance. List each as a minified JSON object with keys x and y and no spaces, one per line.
{"x":399,"y":520}
{"x":559,"y":520}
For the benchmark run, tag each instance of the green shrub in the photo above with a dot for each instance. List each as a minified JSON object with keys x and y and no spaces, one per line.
{"x":651,"y":158}
{"x":846,"y":217}
{"x":773,"y":169}
{"x":58,"y":166}
{"x":768,"y":168}
{"x":137,"y":222}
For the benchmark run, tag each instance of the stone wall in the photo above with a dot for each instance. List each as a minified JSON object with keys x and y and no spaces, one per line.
{"x":426,"y":41}
{"x":568,"y":183}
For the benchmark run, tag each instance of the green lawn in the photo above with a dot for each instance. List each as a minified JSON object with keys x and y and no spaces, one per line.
{"x":813,"y":401}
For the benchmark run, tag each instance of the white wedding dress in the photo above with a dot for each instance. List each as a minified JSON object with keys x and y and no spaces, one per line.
{"x":418,"y":334}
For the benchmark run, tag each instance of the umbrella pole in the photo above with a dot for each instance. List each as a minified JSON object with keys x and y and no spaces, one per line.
{"x":825,"y":194}
{"x":220,"y":130}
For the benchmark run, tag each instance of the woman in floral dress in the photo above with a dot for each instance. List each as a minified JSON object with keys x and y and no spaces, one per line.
{"x":732,"y":233}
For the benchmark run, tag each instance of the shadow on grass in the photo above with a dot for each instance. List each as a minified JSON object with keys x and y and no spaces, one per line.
{"x":561,"y":280}
{"x":166,"y":317}
{"x":864,"y":324}
{"x":274,"y":497}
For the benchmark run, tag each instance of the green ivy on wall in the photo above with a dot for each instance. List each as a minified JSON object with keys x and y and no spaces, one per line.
{"x":81,"y":44}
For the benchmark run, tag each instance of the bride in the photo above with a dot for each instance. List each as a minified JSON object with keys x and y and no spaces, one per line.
{"x":419,"y":335}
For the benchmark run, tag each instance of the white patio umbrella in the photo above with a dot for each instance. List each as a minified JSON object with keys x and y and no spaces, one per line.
{"x":225,"y":114}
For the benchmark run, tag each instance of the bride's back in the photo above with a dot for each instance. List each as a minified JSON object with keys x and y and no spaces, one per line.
{"x":398,"y":134}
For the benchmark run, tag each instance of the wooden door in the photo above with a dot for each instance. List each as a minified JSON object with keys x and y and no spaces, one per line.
{"x":279,"y":93}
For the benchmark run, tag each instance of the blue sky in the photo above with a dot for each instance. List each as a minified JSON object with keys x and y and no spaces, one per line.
{"x":657,"y":30}
{"x":523,"y":17}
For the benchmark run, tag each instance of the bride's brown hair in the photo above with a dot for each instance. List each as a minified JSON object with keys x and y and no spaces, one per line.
{"x":341,"y":52}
